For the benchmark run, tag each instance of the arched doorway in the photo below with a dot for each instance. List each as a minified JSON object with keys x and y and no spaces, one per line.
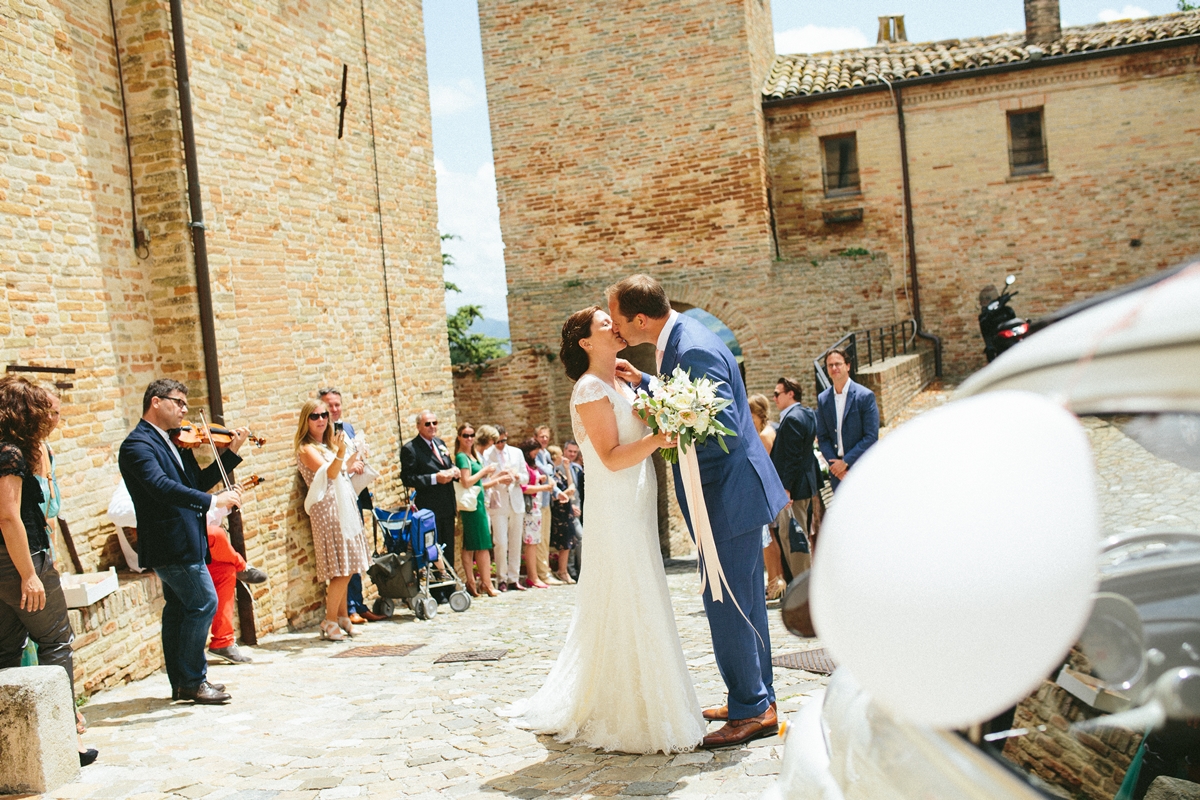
{"x":719,"y":328}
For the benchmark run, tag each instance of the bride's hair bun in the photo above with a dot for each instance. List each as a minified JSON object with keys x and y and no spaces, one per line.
{"x":578,"y":326}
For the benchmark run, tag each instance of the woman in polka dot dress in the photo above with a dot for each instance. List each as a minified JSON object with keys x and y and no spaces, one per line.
{"x":332,"y":506}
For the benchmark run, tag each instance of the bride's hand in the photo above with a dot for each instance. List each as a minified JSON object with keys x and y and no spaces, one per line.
{"x":666,"y":441}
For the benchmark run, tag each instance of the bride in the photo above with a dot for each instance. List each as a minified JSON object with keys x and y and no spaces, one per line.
{"x":620,"y":682}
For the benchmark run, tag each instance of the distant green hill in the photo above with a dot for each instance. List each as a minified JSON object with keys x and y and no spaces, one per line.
{"x":496,"y":328}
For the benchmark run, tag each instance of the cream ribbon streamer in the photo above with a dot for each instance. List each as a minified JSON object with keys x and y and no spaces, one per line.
{"x":711,"y":573}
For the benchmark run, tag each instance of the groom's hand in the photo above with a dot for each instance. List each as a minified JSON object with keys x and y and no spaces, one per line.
{"x":628,"y":373}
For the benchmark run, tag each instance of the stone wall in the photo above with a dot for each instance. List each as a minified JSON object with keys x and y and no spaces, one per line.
{"x":1120,"y":199}
{"x":300,"y":292}
{"x":1087,"y":765}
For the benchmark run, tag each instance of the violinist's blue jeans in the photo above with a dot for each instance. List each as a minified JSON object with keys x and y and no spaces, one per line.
{"x":187,"y":617}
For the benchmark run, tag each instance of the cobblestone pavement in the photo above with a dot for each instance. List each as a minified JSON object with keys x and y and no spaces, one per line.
{"x":303,"y":724}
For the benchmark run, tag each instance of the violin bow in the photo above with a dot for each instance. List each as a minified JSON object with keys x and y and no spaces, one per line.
{"x":216,"y":455}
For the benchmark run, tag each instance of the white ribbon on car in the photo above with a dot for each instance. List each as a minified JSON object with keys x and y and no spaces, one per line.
{"x":711,"y":573}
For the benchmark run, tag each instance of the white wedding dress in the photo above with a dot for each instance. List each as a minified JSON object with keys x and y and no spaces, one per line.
{"x":620,"y":682}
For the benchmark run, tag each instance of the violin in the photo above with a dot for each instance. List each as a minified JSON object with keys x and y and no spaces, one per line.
{"x":192,"y":436}
{"x":251,"y":482}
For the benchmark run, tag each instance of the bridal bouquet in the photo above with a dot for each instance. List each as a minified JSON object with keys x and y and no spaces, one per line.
{"x":685,"y":407}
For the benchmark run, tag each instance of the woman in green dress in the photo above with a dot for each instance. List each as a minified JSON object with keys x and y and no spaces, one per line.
{"x":477,"y":534}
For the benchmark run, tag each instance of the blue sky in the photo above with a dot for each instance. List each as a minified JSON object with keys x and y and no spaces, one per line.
{"x":462,"y":141}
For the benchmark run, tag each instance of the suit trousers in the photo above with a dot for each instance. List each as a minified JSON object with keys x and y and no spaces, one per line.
{"x":742,"y":649}
{"x":226,"y":564}
{"x":48,"y":628}
{"x":507,"y":527}
{"x":186,"y":619}
{"x":798,"y":562}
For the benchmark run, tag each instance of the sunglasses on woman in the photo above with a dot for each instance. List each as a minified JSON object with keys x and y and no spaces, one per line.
{"x":315,"y":416}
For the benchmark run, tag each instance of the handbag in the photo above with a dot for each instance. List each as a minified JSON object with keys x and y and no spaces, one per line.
{"x":467,"y":497}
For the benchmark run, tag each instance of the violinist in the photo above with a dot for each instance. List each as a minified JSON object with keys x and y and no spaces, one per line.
{"x":171,"y":501}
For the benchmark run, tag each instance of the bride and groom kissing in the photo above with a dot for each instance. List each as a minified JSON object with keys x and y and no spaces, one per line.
{"x":620,"y":681}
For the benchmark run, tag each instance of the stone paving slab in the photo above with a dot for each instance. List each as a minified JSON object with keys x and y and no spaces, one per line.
{"x":306,"y":726}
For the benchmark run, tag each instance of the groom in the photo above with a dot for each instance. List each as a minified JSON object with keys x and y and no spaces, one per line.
{"x":742,"y":492}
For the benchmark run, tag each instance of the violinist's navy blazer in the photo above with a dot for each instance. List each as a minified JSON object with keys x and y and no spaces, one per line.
{"x":171,"y":503}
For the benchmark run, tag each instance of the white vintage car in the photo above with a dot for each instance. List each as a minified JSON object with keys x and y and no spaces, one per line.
{"x":1120,"y":715}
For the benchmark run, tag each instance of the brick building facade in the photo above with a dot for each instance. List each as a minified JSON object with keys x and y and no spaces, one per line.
{"x":297,"y":239}
{"x":667,"y":138}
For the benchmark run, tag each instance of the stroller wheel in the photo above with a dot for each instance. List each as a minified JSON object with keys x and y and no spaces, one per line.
{"x":430,"y":606}
{"x":384,"y":607}
{"x":418,"y":607}
{"x":460,"y":601}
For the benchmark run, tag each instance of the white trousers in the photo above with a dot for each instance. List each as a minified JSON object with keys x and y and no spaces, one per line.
{"x":507,"y":526}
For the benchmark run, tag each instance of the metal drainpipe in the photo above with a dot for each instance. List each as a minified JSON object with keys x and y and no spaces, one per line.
{"x":208,"y":332}
{"x":908,"y":230}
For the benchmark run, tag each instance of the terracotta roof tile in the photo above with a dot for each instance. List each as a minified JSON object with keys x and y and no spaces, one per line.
{"x":822,"y":73}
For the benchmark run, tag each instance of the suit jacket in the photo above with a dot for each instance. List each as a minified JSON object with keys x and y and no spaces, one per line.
{"x":170,"y":503}
{"x":860,"y":425}
{"x":577,"y":478}
{"x":793,"y":454}
{"x":418,"y":470}
{"x":741,"y":489}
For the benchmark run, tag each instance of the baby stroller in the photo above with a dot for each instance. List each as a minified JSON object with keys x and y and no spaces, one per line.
{"x":406,"y":571}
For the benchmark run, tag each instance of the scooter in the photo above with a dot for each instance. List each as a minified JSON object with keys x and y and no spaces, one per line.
{"x":999,"y":325}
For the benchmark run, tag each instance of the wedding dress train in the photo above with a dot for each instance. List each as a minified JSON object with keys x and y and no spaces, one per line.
{"x":620,"y":682}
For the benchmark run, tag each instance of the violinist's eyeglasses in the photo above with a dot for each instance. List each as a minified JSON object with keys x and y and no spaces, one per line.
{"x":178,"y":401}
{"x":315,"y":416}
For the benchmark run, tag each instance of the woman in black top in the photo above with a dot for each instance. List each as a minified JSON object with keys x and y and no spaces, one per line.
{"x":31,"y":598}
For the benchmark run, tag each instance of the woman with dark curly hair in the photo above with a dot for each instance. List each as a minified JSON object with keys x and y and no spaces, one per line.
{"x":31,"y":598}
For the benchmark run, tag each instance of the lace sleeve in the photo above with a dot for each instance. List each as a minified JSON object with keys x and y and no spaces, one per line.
{"x":588,"y":389}
{"x":11,"y":461}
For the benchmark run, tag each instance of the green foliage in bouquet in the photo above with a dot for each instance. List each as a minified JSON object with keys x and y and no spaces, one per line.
{"x":686,"y":408}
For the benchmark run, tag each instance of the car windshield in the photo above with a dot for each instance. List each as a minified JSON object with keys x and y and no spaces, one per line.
{"x":1145,"y":627}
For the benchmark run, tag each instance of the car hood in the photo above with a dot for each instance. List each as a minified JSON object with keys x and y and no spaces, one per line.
{"x":1124,"y":355}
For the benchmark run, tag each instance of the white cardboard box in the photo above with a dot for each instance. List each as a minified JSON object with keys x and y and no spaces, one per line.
{"x":83,"y":590}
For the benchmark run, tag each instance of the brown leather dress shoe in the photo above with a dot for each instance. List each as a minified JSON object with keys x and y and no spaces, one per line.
{"x":720,"y":714}
{"x":371,"y":616}
{"x":739,"y":731}
{"x":205,"y":694}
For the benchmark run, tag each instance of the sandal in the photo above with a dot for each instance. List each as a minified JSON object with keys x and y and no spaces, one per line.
{"x":565,"y":578}
{"x":345,"y":624}
{"x":776,"y":589}
{"x":331,"y":631}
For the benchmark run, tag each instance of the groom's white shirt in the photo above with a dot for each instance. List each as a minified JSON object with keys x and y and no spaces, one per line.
{"x":664,"y":336}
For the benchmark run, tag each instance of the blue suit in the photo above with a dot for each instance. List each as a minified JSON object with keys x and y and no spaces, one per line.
{"x":171,"y":502}
{"x":172,"y":508}
{"x":860,"y":424}
{"x":742,"y":492}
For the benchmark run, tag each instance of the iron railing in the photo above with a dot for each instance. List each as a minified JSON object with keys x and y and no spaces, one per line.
{"x":899,"y":338}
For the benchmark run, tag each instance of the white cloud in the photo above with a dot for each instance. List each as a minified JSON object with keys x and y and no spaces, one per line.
{"x":1128,"y":12}
{"x":468,"y":208}
{"x":817,"y":39}
{"x":448,"y":99}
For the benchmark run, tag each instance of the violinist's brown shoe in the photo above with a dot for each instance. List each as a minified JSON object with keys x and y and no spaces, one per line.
{"x":740,"y":731}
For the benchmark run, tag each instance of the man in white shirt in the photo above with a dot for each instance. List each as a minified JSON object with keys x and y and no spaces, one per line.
{"x":508,"y":518}
{"x":847,"y":418}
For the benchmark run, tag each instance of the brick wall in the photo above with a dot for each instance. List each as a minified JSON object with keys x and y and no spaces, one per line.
{"x":897,"y":380}
{"x":293,"y":232}
{"x":1121,"y":134}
